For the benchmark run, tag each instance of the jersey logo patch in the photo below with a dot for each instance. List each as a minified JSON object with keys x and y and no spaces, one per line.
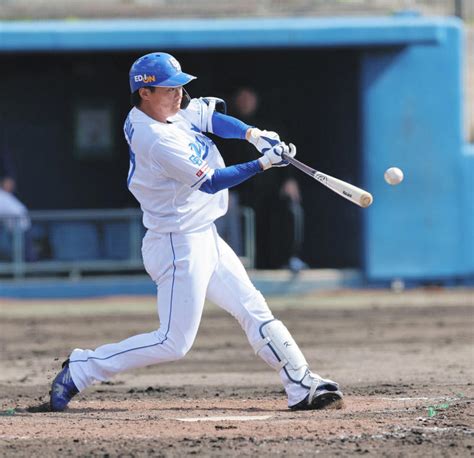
{"x":200,"y":147}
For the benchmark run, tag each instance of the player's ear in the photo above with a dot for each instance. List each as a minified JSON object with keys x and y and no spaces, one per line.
{"x":144,"y":92}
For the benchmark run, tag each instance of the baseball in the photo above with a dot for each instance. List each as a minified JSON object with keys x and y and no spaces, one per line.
{"x":393,"y":175}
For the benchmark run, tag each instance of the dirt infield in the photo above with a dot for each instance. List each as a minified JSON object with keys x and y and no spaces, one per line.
{"x":404,"y":360}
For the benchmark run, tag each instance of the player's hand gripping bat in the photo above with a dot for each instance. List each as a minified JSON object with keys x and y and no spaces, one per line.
{"x":356,"y":195}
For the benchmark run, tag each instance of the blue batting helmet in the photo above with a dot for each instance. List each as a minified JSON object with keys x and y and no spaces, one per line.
{"x":157,"y":69}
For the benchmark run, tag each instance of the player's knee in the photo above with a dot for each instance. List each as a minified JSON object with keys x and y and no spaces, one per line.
{"x":176,"y":342}
{"x":255,"y":311}
{"x":180,"y":352}
{"x":180,"y":349}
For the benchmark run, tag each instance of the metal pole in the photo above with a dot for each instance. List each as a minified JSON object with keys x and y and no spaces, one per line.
{"x":458,"y":8}
{"x":18,"y":249}
{"x":249,"y":235}
{"x":135,"y":239}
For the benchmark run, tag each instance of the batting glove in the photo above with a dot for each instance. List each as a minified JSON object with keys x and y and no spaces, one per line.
{"x":263,"y":140}
{"x":274,"y":156}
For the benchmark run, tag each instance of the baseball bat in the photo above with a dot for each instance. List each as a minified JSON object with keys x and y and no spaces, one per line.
{"x":350,"y":192}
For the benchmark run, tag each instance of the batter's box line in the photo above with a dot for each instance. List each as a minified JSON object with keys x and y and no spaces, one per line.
{"x":224,"y":418}
{"x":424,"y":398}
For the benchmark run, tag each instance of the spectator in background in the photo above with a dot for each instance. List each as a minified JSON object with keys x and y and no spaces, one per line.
{"x":283,"y":247}
{"x":13,"y":214}
{"x":290,"y":193}
{"x":7,"y":170}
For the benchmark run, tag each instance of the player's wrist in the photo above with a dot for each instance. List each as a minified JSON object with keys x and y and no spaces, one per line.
{"x":247,"y":134}
{"x":265,"y":162}
{"x":252,"y":135}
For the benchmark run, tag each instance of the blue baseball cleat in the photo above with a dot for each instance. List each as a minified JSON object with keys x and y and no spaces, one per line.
{"x":63,"y":389}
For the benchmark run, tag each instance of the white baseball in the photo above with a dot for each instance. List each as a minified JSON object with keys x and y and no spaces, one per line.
{"x":393,"y":175}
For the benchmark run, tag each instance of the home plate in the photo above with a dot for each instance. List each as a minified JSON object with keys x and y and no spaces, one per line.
{"x":227,"y":418}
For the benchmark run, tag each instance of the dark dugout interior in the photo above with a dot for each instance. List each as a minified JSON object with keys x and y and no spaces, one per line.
{"x":309,"y":96}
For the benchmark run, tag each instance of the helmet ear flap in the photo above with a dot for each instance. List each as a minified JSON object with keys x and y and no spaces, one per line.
{"x":185,"y":99}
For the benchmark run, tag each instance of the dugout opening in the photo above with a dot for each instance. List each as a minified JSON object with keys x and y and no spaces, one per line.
{"x":310,"y":96}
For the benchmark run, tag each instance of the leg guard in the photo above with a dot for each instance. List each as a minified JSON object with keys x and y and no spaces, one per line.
{"x":289,"y":357}
{"x":321,"y":392}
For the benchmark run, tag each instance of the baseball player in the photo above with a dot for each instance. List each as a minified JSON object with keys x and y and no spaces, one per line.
{"x":180,"y":180}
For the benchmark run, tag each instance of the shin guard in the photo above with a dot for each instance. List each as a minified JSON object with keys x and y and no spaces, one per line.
{"x":287,"y":353}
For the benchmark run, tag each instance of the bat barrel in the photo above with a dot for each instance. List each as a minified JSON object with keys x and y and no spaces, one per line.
{"x":366,"y":200}
{"x":350,"y":192}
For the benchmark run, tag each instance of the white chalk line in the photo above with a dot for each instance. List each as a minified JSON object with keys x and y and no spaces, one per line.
{"x":14,"y":437}
{"x":225,"y":418}
{"x":437,"y":398}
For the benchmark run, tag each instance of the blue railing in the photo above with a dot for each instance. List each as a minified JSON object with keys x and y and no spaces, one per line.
{"x":74,"y":242}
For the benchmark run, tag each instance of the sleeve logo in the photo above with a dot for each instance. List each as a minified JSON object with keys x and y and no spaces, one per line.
{"x":204,"y":169}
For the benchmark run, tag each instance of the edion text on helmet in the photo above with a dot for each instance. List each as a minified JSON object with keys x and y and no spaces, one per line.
{"x":145,"y":78}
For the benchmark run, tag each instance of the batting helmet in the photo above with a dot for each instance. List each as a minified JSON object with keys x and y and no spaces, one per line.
{"x":157,"y":69}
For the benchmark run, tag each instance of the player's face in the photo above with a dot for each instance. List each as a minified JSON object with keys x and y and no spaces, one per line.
{"x":162,"y":103}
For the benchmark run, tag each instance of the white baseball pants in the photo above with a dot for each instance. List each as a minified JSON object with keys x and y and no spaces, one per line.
{"x":187,"y":268}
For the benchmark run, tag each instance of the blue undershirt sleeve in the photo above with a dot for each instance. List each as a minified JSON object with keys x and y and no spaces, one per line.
{"x":226,"y":126}
{"x":230,"y":176}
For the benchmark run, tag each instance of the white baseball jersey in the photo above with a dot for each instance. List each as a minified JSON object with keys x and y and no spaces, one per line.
{"x":182,"y":251}
{"x":168,"y":163}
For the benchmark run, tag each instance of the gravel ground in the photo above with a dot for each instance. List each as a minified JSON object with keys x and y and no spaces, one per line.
{"x":405,"y":362}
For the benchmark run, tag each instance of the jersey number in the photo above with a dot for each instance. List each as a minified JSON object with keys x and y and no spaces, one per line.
{"x":132,"y":166}
{"x":195,"y":159}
